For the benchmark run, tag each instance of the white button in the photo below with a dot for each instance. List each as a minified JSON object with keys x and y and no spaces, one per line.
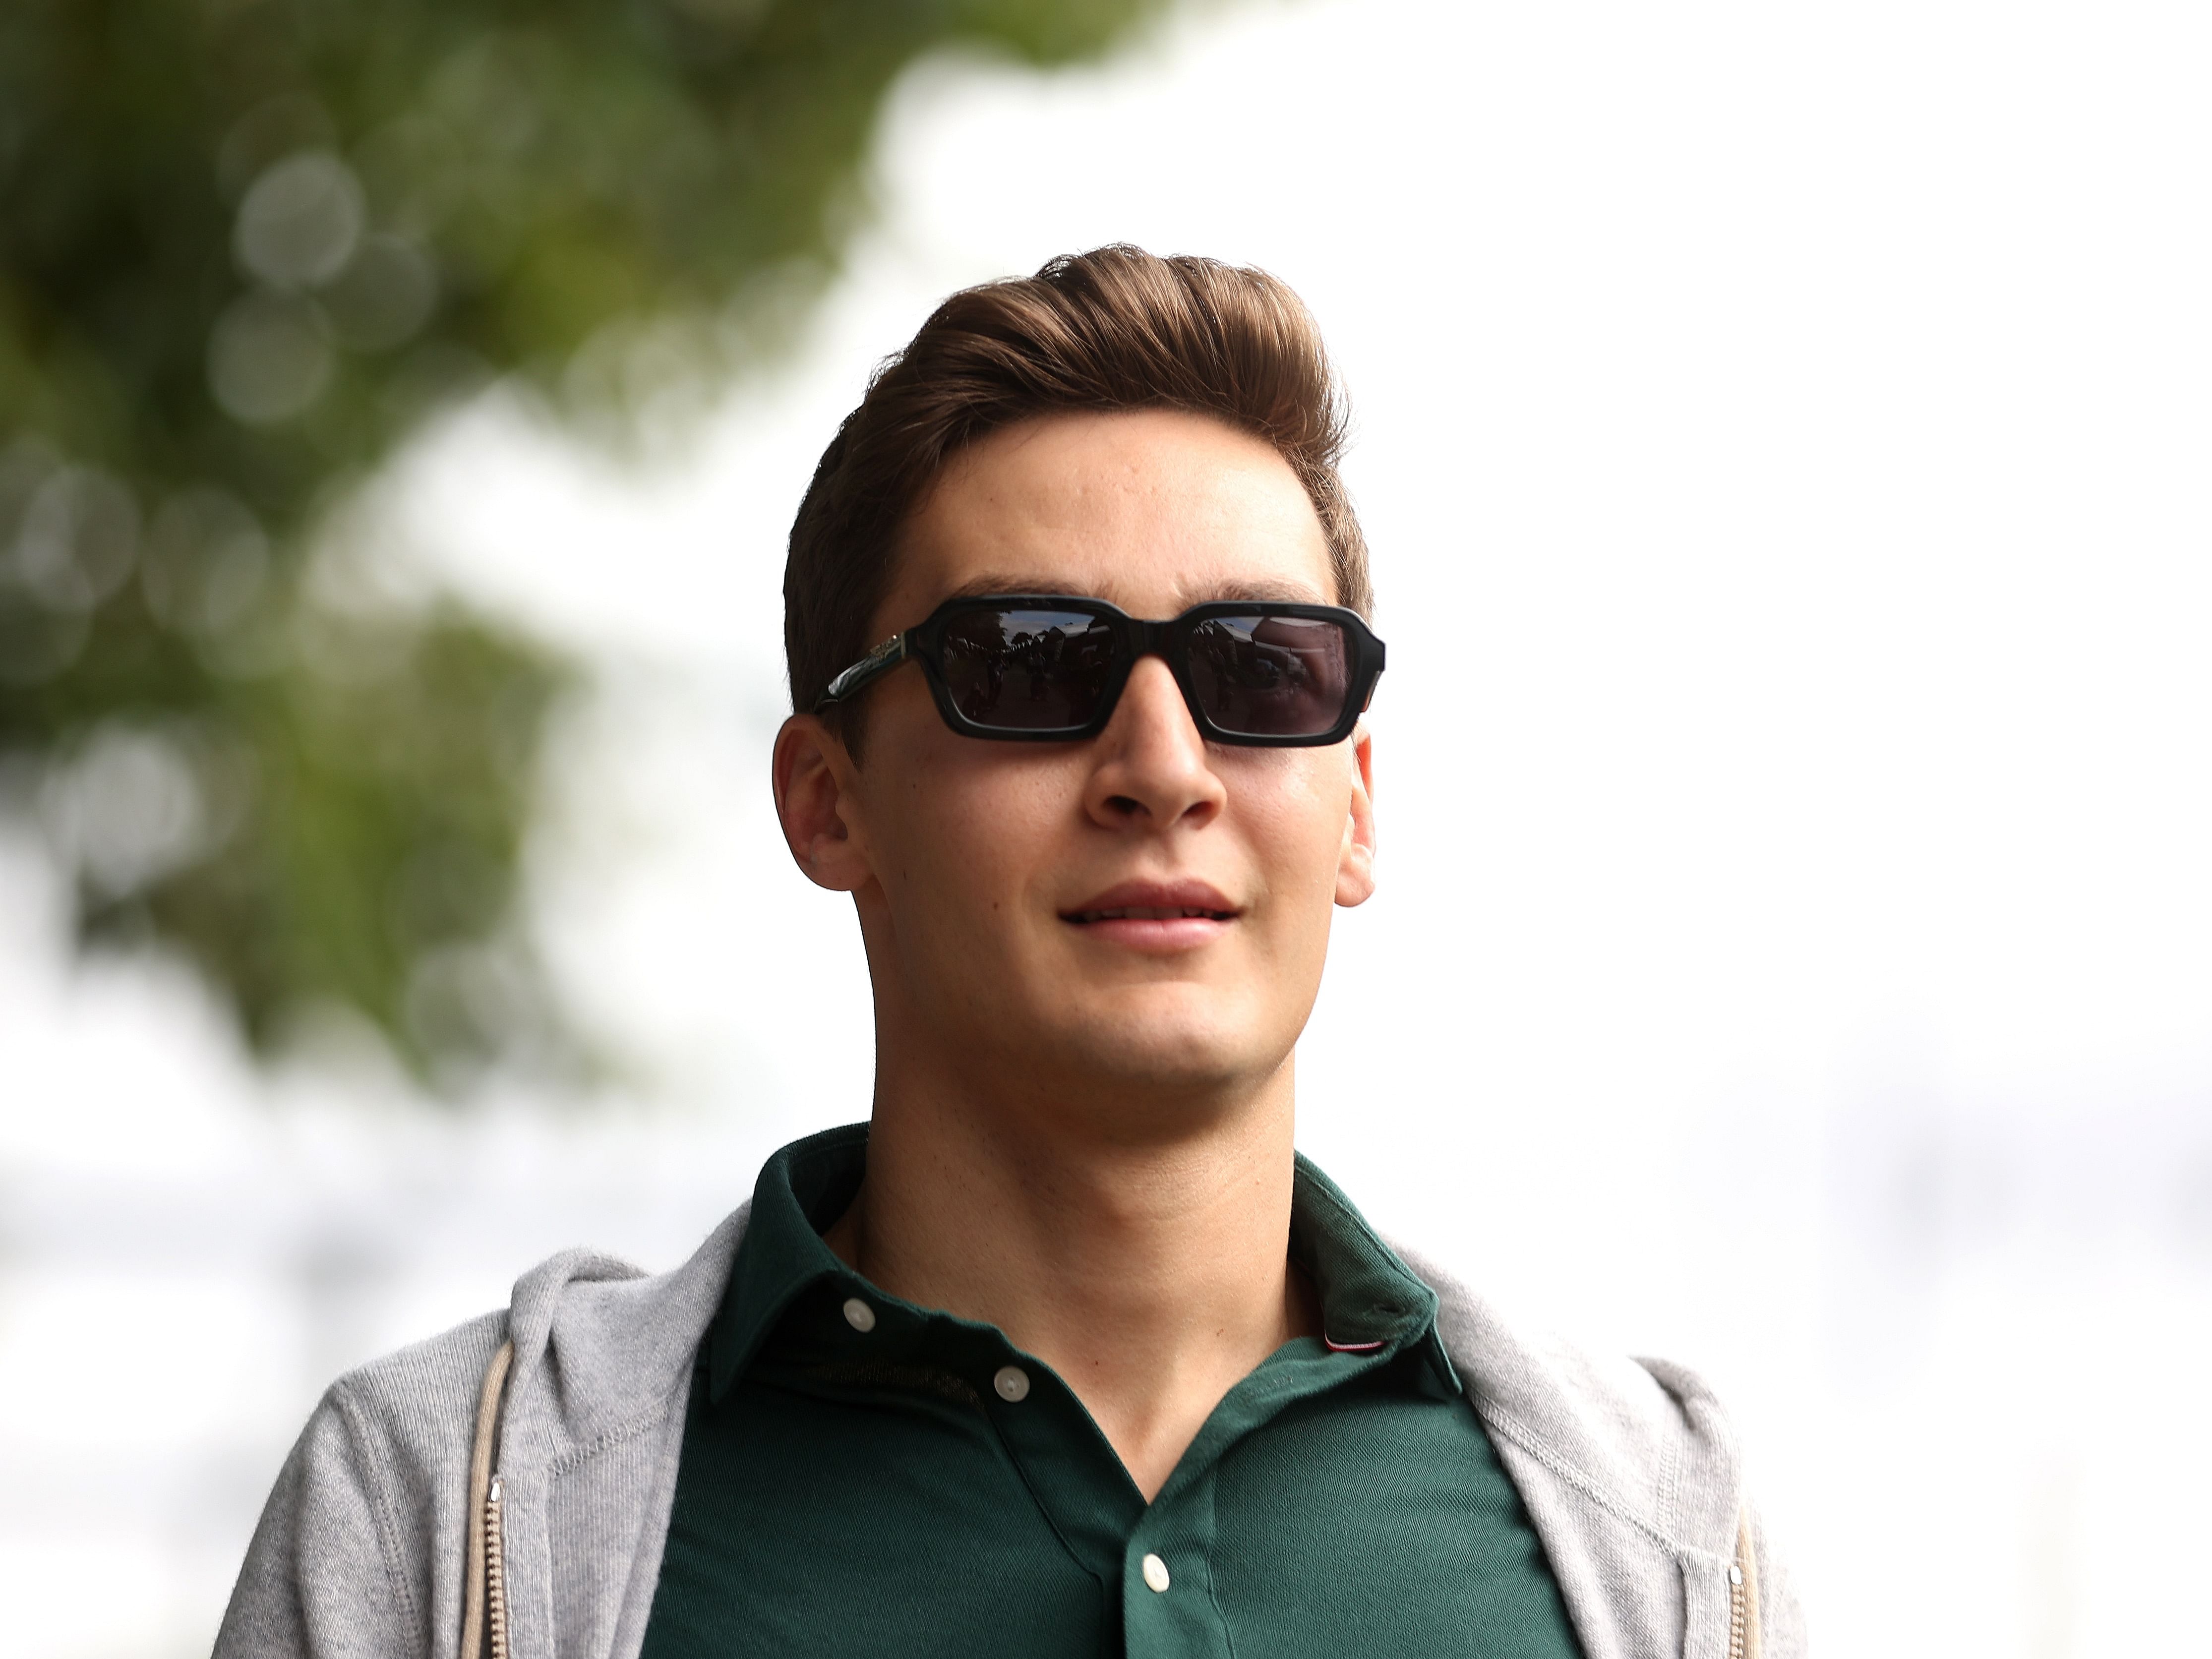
{"x":1156,"y":1574}
{"x":860,"y":1315}
{"x":1735,"y":1574}
{"x":1013,"y":1384}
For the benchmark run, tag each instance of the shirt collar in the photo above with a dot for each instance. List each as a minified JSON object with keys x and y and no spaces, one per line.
{"x":1372,"y":1302}
{"x":803,"y":1189}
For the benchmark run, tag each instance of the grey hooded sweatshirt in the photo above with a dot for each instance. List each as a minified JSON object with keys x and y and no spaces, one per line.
{"x":1628,"y":1470}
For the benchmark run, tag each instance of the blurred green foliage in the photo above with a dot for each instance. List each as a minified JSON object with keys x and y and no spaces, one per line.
{"x":248,"y":247}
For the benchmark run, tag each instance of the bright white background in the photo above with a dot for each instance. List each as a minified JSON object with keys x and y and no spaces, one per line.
{"x":1783,"y":435}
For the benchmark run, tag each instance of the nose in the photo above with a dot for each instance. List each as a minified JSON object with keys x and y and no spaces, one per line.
{"x":1151,"y":769}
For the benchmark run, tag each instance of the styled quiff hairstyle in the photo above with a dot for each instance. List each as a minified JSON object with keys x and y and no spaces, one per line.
{"x":1114,"y":329}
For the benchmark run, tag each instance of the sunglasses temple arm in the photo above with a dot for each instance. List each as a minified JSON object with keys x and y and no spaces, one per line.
{"x":884,"y":657}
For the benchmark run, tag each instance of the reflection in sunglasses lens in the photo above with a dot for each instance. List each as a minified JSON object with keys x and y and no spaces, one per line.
{"x":1260,"y":674}
{"x":1027,"y":670}
{"x":1270,"y":676}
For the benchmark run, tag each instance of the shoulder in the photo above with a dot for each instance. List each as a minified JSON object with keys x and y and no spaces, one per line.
{"x":595,"y":1338}
{"x":1633,"y":1476}
{"x":414,"y":1407}
{"x":1647,"y":1437}
{"x":363,"y":1530}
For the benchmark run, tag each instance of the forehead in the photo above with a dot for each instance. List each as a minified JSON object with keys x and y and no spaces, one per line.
{"x":1155,"y":510}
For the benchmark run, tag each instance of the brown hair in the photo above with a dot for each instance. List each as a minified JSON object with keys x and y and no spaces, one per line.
{"x":1114,"y":329}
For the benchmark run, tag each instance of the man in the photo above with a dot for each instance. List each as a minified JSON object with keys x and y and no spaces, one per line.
{"x":1065,"y":1351}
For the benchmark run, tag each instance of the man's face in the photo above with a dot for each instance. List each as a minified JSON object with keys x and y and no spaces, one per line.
{"x":1012,"y":893}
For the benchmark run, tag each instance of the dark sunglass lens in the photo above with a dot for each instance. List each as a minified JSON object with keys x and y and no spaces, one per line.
{"x":1027,"y":671}
{"x":1270,"y":676}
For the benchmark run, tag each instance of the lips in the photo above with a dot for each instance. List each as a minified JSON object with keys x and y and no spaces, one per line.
{"x":1154,"y":902}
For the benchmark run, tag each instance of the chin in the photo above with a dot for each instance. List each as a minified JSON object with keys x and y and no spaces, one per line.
{"x":1177,"y":1051}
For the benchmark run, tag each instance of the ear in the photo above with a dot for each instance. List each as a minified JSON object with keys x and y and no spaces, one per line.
{"x":815,"y":780}
{"x":1355,"y":860}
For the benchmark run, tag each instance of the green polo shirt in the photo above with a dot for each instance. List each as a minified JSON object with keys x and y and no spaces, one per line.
{"x":863,"y":1477}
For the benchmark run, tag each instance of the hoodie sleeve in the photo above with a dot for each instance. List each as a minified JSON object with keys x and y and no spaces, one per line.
{"x":360,"y":1550}
{"x":321,"y":1577}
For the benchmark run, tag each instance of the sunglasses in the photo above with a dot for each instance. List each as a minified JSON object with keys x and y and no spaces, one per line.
{"x":1048,"y":668}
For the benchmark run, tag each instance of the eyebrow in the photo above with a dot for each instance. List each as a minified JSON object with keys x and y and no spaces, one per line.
{"x":1273,"y":591}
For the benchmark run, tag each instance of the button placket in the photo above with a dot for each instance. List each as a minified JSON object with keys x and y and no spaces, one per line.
{"x":1167,"y":1595}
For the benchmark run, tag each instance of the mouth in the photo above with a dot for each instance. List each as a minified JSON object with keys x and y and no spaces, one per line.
{"x":1147,"y":913}
{"x":1155,"y":915}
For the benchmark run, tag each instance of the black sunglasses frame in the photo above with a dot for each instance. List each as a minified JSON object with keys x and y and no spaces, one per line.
{"x":1133,"y":639}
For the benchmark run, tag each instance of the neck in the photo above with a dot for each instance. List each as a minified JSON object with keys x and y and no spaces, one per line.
{"x":1151,"y":1273}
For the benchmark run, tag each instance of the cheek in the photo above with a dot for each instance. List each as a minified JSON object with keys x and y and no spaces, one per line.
{"x":1297,"y":817}
{"x":968,"y":837}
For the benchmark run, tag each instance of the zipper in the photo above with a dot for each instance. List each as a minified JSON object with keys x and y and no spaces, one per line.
{"x":1737,"y":1625}
{"x":495,"y":1576}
